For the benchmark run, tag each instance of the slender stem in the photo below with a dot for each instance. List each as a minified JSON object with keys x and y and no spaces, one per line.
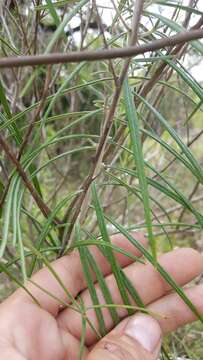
{"x":78,"y":56}
{"x":43,"y":207}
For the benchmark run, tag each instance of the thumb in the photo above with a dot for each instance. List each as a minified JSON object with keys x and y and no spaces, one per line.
{"x":136,"y":338}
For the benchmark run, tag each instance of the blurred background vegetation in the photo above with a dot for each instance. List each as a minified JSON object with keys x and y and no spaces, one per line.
{"x":52,"y":118}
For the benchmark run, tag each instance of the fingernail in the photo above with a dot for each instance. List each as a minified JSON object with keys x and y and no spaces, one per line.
{"x":145,"y":330}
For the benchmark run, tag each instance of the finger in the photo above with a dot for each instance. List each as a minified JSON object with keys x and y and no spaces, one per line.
{"x":72,"y":346}
{"x":140,"y":339}
{"x":70,"y":271}
{"x":11,"y":354}
{"x":173,"y":310}
{"x":147,"y":281}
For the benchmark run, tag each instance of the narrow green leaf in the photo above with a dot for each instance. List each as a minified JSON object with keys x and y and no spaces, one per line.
{"x":92,"y":290}
{"x":90,"y":282}
{"x":133,"y":292}
{"x":108,"y":252}
{"x":83,"y":332}
{"x":6,"y":221}
{"x":133,"y":123}
{"x":102,"y":283}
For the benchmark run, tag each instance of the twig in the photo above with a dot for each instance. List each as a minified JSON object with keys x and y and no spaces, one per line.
{"x":78,"y":56}
{"x":43,"y":207}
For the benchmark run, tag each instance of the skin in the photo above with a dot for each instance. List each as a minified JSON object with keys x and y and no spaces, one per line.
{"x":28,"y":331}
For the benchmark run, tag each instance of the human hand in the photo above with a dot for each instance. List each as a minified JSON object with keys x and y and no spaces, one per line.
{"x":28,"y":331}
